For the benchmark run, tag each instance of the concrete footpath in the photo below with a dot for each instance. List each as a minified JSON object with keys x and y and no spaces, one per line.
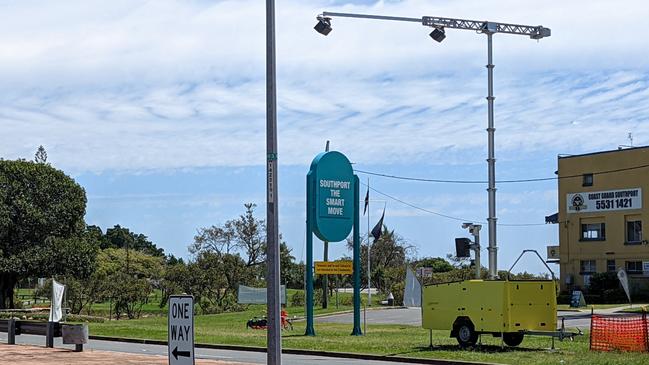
{"x":38,"y":355}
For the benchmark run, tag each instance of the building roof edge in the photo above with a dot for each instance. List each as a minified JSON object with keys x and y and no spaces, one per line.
{"x":560,"y":157}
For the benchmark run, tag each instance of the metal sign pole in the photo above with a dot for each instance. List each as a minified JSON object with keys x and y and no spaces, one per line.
{"x":308,"y":270}
{"x":369,"y":248}
{"x":325,"y":281}
{"x":274,"y":338}
{"x":357,"y":262}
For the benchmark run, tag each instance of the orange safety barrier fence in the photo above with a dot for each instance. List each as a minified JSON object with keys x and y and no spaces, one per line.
{"x":619,"y":333}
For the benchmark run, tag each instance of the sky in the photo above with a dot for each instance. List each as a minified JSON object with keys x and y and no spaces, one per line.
{"x":157,"y":108}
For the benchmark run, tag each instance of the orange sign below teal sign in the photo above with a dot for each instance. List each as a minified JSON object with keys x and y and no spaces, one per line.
{"x":342,"y":267}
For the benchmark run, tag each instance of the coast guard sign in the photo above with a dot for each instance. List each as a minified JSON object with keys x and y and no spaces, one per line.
{"x":181,"y":330}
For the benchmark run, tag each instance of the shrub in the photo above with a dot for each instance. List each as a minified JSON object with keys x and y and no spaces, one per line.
{"x":346,"y":300}
{"x":397,"y":291}
{"x":605,"y":288}
{"x":614,"y":296}
{"x":42,"y":316}
{"x":564,"y":299}
{"x":297,"y":299}
{"x":601,"y":281}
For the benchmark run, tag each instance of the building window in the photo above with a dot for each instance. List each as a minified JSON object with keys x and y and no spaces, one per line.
{"x":610,"y":265}
{"x":593,"y":232}
{"x":588,"y":267}
{"x":588,"y":180}
{"x":634,"y":231}
{"x":633,"y":267}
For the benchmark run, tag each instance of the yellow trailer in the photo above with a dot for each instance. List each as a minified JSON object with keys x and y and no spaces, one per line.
{"x":499,"y":307}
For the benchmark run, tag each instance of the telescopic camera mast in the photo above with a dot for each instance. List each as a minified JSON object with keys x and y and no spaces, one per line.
{"x":488,"y":28}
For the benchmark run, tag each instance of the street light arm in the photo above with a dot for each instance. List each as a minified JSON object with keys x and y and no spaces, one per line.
{"x":534,"y":32}
{"x":368,"y":16}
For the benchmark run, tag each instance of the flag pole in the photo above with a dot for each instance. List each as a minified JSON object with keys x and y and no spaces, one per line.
{"x":369,"y":270}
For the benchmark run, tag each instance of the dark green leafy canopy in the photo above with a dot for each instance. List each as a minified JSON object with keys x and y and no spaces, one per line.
{"x":438,"y":264}
{"x":122,"y":237}
{"x":41,"y":224}
{"x":38,"y":203}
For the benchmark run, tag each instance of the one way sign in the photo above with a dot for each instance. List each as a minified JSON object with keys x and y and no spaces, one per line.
{"x":181,"y":330}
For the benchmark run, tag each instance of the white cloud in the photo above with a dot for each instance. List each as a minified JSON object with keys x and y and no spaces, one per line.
{"x":175,"y":84}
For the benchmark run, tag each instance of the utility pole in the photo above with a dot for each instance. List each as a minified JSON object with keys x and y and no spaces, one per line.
{"x":439,"y":34}
{"x":273,"y":335}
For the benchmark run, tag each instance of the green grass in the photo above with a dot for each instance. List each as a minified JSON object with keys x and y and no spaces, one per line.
{"x":229,"y":328}
{"x":21,"y":291}
{"x":587,"y":308}
{"x":103,"y":309}
{"x":637,"y":308}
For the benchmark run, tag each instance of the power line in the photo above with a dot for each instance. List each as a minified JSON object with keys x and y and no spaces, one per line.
{"x":408,"y":178}
{"x":449,"y":216}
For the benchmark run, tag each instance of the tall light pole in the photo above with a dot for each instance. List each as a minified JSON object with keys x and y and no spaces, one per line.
{"x":274,"y":337}
{"x":438,"y":34}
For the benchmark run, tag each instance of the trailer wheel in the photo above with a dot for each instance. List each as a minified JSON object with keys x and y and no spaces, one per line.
{"x":513,"y":338}
{"x":466,"y":334}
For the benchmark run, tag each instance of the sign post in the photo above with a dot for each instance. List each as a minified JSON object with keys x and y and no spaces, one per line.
{"x":180,"y":335}
{"x":356,"y":331}
{"x":332,"y":212}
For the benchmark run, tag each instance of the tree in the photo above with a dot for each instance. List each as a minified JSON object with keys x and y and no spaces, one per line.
{"x":120,"y":237}
{"x":215,"y":239}
{"x":128,"y":291}
{"x":250,"y":236}
{"x":112,"y":260}
{"x":171,"y":260}
{"x":41,"y":155}
{"x":388,"y":260}
{"x":292,"y":273}
{"x":41,"y":216}
{"x":95,"y":234}
{"x":437,"y":264}
{"x":212,"y":278}
{"x":245,"y":235}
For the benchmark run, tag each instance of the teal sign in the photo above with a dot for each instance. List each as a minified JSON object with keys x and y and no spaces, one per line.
{"x":333,"y":178}
{"x":332,"y":206}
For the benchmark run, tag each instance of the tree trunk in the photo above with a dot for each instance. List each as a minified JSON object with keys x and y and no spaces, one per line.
{"x":7,"y":284}
{"x":2,"y":292}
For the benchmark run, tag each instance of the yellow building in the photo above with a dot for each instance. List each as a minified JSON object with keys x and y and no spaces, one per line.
{"x":603,"y":206}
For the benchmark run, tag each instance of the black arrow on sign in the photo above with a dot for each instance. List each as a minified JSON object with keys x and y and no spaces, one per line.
{"x":177,"y":353}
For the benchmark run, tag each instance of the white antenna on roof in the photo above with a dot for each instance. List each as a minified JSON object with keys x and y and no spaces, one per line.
{"x":630,"y":145}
